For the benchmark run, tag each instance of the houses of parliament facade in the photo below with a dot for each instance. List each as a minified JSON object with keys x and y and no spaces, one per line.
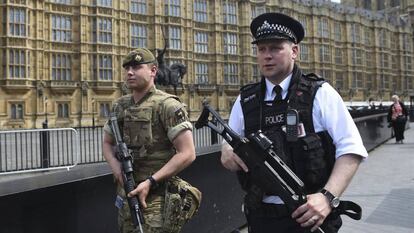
{"x":61,"y":59}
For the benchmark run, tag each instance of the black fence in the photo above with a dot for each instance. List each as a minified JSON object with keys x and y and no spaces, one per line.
{"x":362,"y":111}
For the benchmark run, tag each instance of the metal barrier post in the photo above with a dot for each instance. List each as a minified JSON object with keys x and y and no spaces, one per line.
{"x":44,"y":146}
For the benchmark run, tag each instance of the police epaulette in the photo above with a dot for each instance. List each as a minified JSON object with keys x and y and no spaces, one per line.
{"x":314,"y":77}
{"x":247,"y":86}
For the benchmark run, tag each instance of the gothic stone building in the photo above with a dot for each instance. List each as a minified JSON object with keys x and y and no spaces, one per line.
{"x":61,"y":59}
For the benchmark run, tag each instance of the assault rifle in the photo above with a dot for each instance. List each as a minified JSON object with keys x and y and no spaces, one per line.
{"x":266,"y":168}
{"x":123,"y":155}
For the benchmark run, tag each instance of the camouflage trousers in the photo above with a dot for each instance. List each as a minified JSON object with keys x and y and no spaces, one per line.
{"x":153,"y":215}
{"x":169,"y":207}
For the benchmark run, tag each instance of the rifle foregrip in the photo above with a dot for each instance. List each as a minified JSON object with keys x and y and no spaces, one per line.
{"x":129,"y":184}
{"x":133,"y":202}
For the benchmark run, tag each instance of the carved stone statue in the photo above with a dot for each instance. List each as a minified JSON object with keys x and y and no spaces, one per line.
{"x":85,"y":87}
{"x":40,"y":86}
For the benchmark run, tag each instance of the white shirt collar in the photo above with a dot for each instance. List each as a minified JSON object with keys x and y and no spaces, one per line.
{"x":270,"y":95}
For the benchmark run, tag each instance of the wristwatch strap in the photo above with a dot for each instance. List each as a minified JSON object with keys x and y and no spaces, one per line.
{"x":153,"y":182}
{"x":333,"y":200}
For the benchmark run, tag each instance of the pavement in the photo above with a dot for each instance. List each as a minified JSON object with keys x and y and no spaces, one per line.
{"x":384,"y":188}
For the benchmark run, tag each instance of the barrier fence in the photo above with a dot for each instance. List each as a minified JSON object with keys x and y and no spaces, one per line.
{"x":47,"y":149}
{"x":90,"y":144}
{"x":38,"y":150}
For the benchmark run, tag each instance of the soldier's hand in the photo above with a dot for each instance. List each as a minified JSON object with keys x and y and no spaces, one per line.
{"x":231,"y":161}
{"x":141,"y":191}
{"x":313,"y":212}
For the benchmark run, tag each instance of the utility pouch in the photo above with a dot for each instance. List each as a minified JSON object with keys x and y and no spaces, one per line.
{"x":181,"y":203}
{"x":315,"y":169}
{"x":137,"y":126}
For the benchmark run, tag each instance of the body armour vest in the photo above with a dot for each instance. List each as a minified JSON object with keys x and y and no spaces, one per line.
{"x":312,"y":156}
{"x":143,"y":132}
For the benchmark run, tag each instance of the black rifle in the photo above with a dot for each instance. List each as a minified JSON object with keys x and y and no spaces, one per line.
{"x":123,"y":155}
{"x":266,"y":168}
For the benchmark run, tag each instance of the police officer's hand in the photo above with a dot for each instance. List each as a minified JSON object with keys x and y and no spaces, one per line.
{"x":313,"y":212}
{"x":141,"y":191}
{"x":230,"y":160}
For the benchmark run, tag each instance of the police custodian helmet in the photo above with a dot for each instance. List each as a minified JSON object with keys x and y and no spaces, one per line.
{"x":270,"y":26}
{"x":138,"y":56}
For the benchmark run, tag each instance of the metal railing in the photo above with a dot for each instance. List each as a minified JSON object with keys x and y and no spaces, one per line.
{"x":38,"y":150}
{"x":28,"y":150}
{"x":90,"y":143}
{"x":206,"y":140}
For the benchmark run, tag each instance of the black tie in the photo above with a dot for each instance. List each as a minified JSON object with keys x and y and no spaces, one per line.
{"x":278,"y":90}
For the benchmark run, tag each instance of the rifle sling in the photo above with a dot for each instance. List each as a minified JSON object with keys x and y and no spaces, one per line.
{"x":349,"y":208}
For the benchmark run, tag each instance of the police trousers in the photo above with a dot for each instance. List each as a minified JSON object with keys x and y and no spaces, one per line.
{"x":271,"y":218}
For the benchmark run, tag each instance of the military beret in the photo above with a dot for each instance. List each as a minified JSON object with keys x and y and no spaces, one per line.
{"x":138,"y":56}
{"x":269,"y":26}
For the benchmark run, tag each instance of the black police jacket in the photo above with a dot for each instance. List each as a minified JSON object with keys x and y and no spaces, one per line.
{"x":312,"y":156}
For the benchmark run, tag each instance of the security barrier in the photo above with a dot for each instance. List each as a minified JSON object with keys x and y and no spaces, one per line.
{"x":47,"y":149}
{"x":38,"y":150}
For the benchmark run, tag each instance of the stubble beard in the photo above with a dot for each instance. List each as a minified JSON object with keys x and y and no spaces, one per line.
{"x":278,"y":75}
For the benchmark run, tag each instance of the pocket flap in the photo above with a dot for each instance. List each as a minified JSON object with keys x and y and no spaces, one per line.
{"x":311,"y":141}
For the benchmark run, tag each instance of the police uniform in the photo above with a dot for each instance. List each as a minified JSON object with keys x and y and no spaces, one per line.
{"x":325,"y":118}
{"x":148,"y":128}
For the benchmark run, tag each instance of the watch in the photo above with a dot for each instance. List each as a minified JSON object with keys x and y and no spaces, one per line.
{"x":333,"y":201}
{"x":153,"y":182}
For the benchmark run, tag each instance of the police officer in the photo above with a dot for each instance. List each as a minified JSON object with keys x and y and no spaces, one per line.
{"x":326,"y":124}
{"x":156,"y":129}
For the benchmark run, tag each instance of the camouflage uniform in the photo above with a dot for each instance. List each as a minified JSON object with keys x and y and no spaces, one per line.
{"x":148,"y":128}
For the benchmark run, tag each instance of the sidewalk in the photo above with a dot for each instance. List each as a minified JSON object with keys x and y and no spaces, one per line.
{"x":384,"y":188}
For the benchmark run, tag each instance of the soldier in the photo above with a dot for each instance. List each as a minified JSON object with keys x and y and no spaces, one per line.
{"x":304,"y":140}
{"x":157,"y":131}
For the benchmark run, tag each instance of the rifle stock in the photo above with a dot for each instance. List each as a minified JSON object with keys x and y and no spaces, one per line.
{"x":125,"y":158}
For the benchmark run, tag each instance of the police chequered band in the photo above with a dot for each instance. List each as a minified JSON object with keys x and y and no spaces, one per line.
{"x":268,"y":29}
